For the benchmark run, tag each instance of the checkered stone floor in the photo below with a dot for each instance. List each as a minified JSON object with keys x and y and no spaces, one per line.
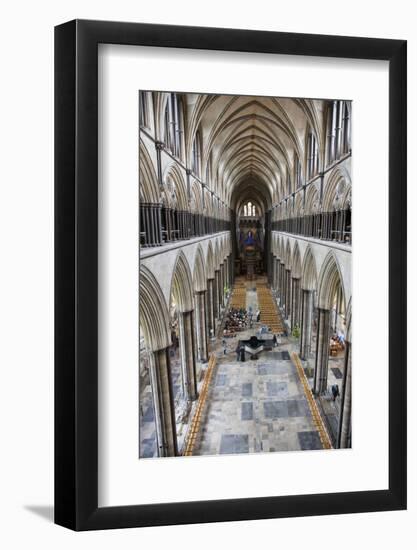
{"x":256,"y":406}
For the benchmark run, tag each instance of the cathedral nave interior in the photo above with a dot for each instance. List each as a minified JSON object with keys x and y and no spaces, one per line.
{"x":245,"y":274}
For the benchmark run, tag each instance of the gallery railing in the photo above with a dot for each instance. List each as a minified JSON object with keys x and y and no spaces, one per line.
{"x":160,"y":225}
{"x":331,"y":226}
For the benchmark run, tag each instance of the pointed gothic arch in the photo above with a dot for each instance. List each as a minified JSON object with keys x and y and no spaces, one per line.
{"x":210,"y":262}
{"x":330,"y":279}
{"x":216,"y":255}
{"x":148,"y":180}
{"x":338,"y":185}
{"x":296,"y":262}
{"x":154,"y":319}
{"x":175,"y":182}
{"x":287,"y":255}
{"x":349,"y":321}
{"x":309,"y":271}
{"x":182,"y":284}
{"x":199,"y":277}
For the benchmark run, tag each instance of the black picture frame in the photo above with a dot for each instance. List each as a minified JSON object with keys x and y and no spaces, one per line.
{"x":76,"y":272}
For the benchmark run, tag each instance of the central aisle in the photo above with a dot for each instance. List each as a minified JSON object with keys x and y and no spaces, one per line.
{"x":258,"y":405}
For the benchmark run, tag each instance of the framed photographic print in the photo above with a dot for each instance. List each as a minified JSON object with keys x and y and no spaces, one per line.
{"x":230,"y":275}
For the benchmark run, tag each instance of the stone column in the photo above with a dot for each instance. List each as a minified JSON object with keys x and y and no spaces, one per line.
{"x":144,"y":219}
{"x":152,"y":216}
{"x":159,"y":222}
{"x":278,"y":277}
{"x":201,"y":325}
{"x":168,"y":221}
{"x":163,"y":403}
{"x":226,"y":272}
{"x":222,"y":284}
{"x":283,"y":287}
{"x":295,"y":304}
{"x":277,"y":264}
{"x":210,"y":307}
{"x":217,"y":293}
{"x":159,"y":145}
{"x":306,"y":323}
{"x":282,"y":284}
{"x":344,"y":432}
{"x":275,"y":271}
{"x":322,"y":351}
{"x":187,"y":348}
{"x":287,"y":293}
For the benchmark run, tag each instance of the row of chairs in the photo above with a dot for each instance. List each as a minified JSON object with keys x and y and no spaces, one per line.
{"x":268,"y":309}
{"x":238,"y":299}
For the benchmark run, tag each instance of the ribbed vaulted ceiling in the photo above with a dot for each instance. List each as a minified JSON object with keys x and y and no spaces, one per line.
{"x":252,"y":143}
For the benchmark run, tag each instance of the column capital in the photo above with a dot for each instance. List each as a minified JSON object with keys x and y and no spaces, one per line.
{"x":307,"y":290}
{"x":159,"y":145}
{"x":186,"y":311}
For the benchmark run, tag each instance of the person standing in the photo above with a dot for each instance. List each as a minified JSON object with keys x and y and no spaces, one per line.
{"x":224,"y":347}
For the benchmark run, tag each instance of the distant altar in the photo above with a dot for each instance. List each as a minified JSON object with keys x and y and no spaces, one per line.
{"x":250,"y":250}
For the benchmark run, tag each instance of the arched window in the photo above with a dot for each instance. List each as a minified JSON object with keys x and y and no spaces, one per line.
{"x":288,"y":183}
{"x":346,"y":128}
{"x":338,"y":133}
{"x":143,"y":109}
{"x":173,"y":124}
{"x":312,"y":156}
{"x":209,"y":173}
{"x":167,"y":128}
{"x":249,"y":209}
{"x":298,"y":180}
{"x":196,"y":153}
